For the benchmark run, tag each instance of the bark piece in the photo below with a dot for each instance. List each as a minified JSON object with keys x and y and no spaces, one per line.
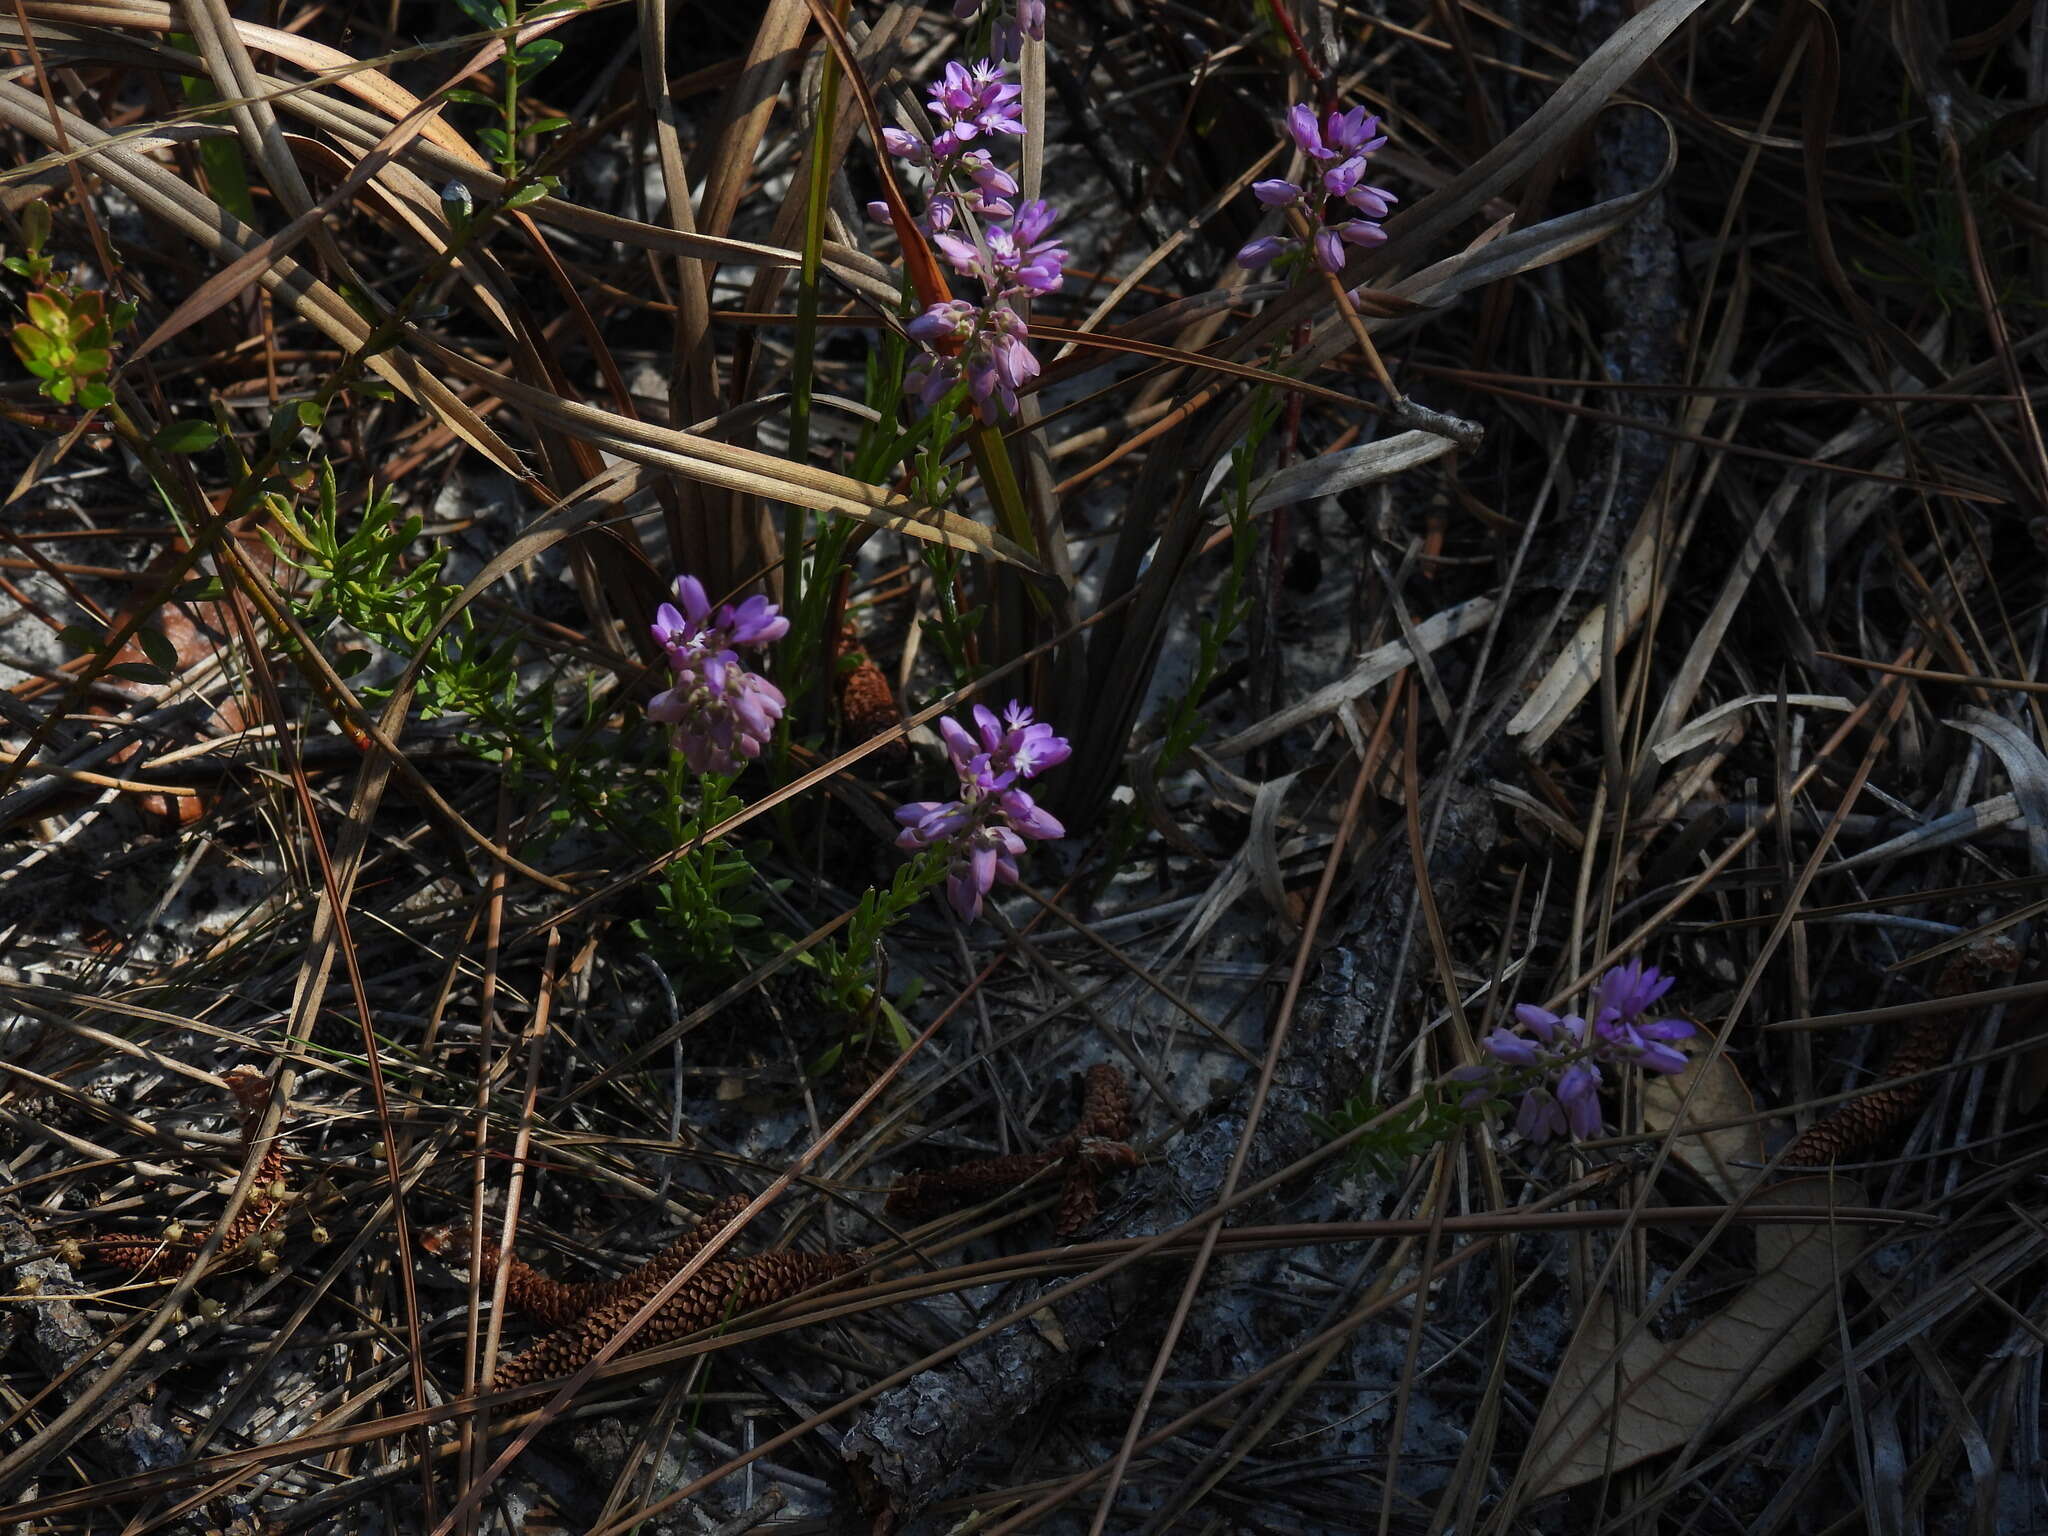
{"x":61,"y":1340}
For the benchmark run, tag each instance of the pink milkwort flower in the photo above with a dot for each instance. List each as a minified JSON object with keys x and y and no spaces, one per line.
{"x":1011,"y":254}
{"x":986,"y":828}
{"x":723,"y":713}
{"x":972,"y":100}
{"x":1347,"y":138}
{"x":1556,"y":1064}
{"x":693,"y":631}
{"x":986,"y":347}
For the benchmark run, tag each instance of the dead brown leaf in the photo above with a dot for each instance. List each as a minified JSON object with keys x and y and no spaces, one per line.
{"x":1621,"y":1396}
{"x":1726,"y":1159}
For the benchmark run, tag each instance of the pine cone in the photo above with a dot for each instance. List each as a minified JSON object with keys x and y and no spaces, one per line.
{"x":866,"y":702}
{"x":1096,"y":1146}
{"x":711,"y":1297}
{"x":921,"y":1196}
{"x":555,"y":1303}
{"x":168,"y":1259}
{"x":1852,"y":1127}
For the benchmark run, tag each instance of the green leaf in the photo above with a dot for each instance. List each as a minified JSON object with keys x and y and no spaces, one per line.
{"x":138,"y":672}
{"x":349,"y":663}
{"x":95,"y":397}
{"x":156,"y":645}
{"x":310,"y":414}
{"x":77,"y":637}
{"x":548,"y":125}
{"x":33,"y":344}
{"x":471,"y":98}
{"x":538,"y":55}
{"x":525,"y":195}
{"x":15,"y":265}
{"x":484,"y":13}
{"x":204,"y":589}
{"x":35,"y":224}
{"x":92,"y":362}
{"x":494,"y":140}
{"x":185,"y":437}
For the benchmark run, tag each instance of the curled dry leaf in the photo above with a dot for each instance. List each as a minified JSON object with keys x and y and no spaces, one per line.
{"x":1621,"y":1396}
{"x":1726,"y":1159}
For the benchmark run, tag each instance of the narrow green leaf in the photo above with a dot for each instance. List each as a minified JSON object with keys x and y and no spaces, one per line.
{"x":471,"y":98}
{"x":310,"y":414}
{"x":139,"y":672}
{"x":525,"y":195}
{"x":548,"y":125}
{"x":76,"y":637}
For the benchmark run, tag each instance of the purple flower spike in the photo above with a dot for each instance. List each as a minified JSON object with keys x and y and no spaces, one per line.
{"x":1557,"y":1065}
{"x":1629,"y":991}
{"x":972,"y":101}
{"x":1347,"y":139}
{"x":992,"y":822}
{"x":1578,"y":1090}
{"x":1539,"y":1118}
{"x":1353,"y":132}
{"x":723,"y":714}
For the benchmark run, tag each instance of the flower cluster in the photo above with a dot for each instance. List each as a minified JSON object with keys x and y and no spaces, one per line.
{"x":1347,"y":139}
{"x":723,"y":714}
{"x":1012,"y":255}
{"x":985,"y":829}
{"x":1556,"y":1066}
{"x":1010,"y":30}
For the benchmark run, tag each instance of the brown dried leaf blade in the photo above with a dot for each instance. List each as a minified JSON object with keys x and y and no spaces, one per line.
{"x":1726,"y":1159}
{"x":1610,"y":1407}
